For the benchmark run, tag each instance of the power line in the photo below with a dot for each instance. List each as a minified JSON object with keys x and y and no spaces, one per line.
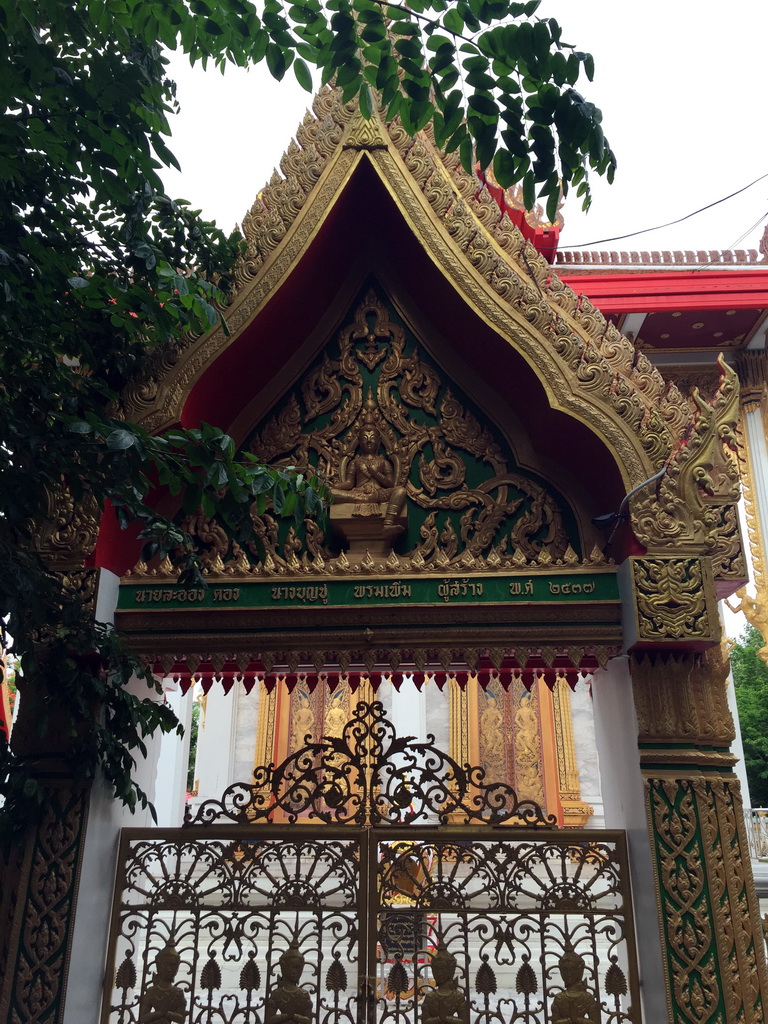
{"x":749,"y":231}
{"x":645,"y":231}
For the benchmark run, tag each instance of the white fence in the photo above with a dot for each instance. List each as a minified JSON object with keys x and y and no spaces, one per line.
{"x":756,"y":820}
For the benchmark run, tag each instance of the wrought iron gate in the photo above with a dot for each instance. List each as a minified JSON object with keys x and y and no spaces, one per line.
{"x":401,"y":923}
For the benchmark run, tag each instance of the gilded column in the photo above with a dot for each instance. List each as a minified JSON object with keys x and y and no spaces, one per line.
{"x":576,"y":813}
{"x":708,"y":911}
{"x":462,"y":706}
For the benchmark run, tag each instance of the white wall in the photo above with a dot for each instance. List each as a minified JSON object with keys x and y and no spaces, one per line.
{"x":624,"y":802}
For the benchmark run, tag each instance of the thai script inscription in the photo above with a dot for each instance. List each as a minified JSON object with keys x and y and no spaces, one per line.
{"x":394,"y":590}
{"x":226,"y":594}
{"x":458,"y":588}
{"x":517,"y":588}
{"x":161,"y":595}
{"x":571,"y":588}
{"x":309,"y":594}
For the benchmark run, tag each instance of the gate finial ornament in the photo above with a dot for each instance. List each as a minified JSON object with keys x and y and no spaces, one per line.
{"x":371,"y":776}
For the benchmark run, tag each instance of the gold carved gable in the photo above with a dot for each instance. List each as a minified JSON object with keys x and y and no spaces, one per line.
{"x":589,"y":370}
{"x":413,"y":466}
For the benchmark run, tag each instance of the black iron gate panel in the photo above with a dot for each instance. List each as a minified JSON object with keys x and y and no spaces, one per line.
{"x":206,"y":923}
{"x":482,"y":925}
{"x":373,"y":906}
{"x":320,"y":925}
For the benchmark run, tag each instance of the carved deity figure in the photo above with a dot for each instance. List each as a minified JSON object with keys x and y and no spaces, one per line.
{"x":336,"y":716}
{"x":368,"y":478}
{"x":303,"y":721}
{"x":163,"y":1002}
{"x":491,"y":726}
{"x":288,"y":1002}
{"x":575,"y":1004}
{"x":446,"y":1003}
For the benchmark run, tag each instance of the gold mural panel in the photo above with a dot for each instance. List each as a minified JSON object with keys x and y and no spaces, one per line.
{"x":576,"y":813}
{"x":509,"y":737}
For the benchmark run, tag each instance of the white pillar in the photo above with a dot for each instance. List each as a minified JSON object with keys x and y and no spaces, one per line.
{"x":214,"y":765}
{"x":173,"y":762}
{"x":754,"y":430}
{"x":106,"y":816}
{"x":587,"y":759}
{"x":409,"y":710}
{"x":246,"y":730}
{"x":621,"y":784}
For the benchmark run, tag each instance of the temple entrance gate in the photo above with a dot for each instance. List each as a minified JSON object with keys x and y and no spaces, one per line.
{"x":339,"y":888}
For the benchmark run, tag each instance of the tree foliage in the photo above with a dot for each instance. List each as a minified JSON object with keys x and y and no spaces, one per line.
{"x":750,"y":677}
{"x":99,"y":268}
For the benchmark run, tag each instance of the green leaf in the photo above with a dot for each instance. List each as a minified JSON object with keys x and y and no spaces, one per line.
{"x":484,"y":104}
{"x":529,"y":191}
{"x":303,"y":74}
{"x":366,"y":102}
{"x":453,"y":21}
{"x":504,"y":168}
{"x":276,"y":61}
{"x":180,"y":284}
{"x":466,"y":154}
{"x":120,"y":440}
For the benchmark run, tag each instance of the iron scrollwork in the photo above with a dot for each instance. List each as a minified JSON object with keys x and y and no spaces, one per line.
{"x":371,"y":776}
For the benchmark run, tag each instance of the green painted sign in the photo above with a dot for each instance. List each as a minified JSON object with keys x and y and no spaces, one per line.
{"x":549,"y":588}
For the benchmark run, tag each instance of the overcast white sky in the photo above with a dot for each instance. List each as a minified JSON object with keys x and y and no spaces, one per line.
{"x":681,"y":84}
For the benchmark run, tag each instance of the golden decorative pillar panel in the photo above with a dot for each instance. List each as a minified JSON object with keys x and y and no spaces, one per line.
{"x":669,"y":603}
{"x":576,"y":813}
{"x":708,"y":911}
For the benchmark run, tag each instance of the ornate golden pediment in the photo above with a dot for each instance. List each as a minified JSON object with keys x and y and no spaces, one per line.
{"x":587,"y":369}
{"x":408,"y":460}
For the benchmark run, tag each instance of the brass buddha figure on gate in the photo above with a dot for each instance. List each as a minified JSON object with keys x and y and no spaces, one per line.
{"x":445,"y":1004}
{"x":163,"y":1002}
{"x":288,"y":1002}
{"x":575,"y":1004}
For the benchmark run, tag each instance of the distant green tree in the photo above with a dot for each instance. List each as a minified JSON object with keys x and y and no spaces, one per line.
{"x":194,"y":729}
{"x":750,"y":676}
